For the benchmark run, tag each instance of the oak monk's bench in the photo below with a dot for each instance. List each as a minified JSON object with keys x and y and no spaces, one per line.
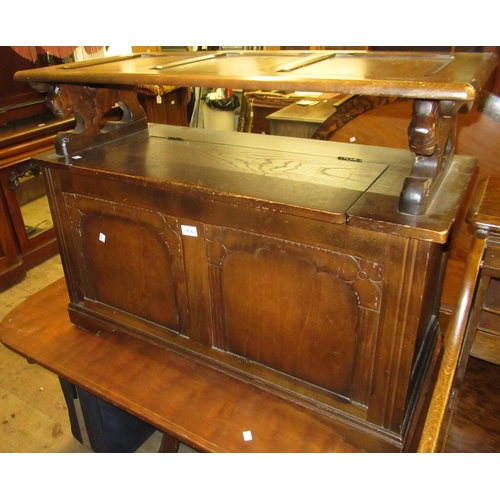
{"x":289,"y":282}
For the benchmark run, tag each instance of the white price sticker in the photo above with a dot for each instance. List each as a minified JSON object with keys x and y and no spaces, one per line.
{"x":189,"y":231}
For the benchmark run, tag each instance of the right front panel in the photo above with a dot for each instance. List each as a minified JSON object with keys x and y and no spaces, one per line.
{"x":305,"y":312}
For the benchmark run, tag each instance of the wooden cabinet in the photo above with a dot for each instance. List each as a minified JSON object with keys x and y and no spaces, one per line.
{"x":11,"y":268}
{"x":487,"y":341}
{"x":302,"y":120}
{"x":17,"y":99}
{"x":27,"y":236}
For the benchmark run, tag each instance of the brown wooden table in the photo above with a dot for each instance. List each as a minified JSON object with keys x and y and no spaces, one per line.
{"x":301,"y":120}
{"x":199,"y":406}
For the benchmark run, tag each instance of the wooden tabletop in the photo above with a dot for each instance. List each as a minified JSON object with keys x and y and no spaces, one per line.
{"x":450,"y":76}
{"x":199,"y":406}
{"x":485,"y":209}
{"x":316,"y":112}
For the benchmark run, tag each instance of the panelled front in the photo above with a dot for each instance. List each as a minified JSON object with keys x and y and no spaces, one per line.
{"x":282,"y":262}
{"x":324,"y":315}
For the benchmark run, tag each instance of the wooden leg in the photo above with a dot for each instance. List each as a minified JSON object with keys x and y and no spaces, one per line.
{"x":168,"y":444}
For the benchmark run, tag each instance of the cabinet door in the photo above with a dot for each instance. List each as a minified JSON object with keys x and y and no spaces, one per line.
{"x":176,"y":108}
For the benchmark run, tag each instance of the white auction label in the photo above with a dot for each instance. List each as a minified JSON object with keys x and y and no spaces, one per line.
{"x":189,"y":231}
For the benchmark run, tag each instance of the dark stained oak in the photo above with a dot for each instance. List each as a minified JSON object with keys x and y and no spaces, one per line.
{"x":438,"y":76}
{"x":282,"y":279}
{"x":297,"y":275}
{"x":484,"y":324}
{"x":20,"y":251}
{"x":485,"y":210}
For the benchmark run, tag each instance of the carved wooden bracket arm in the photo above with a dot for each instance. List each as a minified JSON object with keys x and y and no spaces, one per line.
{"x":431,"y":136}
{"x":93,"y":108}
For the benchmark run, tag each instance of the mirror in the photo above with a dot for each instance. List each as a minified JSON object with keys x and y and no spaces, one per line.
{"x":33,"y":202}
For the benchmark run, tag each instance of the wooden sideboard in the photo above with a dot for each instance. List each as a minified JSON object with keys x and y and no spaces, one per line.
{"x":26,"y":127}
{"x":27,"y":235}
{"x":305,"y":269}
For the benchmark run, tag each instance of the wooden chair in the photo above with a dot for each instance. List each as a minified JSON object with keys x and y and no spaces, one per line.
{"x":457,"y":344}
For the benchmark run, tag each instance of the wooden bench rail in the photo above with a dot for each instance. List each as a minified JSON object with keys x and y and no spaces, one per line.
{"x":456,"y":352}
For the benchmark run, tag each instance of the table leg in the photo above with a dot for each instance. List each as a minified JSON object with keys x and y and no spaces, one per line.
{"x":169,"y":444}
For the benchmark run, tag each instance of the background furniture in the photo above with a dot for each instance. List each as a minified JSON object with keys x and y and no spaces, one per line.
{"x":485,"y":319}
{"x":22,"y":111}
{"x":257,"y":105}
{"x":165,"y":104}
{"x":17,"y":99}
{"x":278,"y":113}
{"x":302,"y":120}
{"x":27,"y":236}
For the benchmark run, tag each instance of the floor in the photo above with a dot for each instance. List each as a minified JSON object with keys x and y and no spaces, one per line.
{"x":34,"y":418}
{"x":475,"y":427}
{"x":33,"y":413}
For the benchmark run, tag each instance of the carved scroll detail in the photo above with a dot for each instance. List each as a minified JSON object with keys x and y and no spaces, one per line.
{"x":431,"y":135}
{"x":90,"y":105}
{"x":279,"y":303}
{"x":362,"y":276}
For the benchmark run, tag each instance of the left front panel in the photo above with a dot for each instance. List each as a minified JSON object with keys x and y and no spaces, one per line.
{"x":131,"y":258}
{"x":122,"y":261}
